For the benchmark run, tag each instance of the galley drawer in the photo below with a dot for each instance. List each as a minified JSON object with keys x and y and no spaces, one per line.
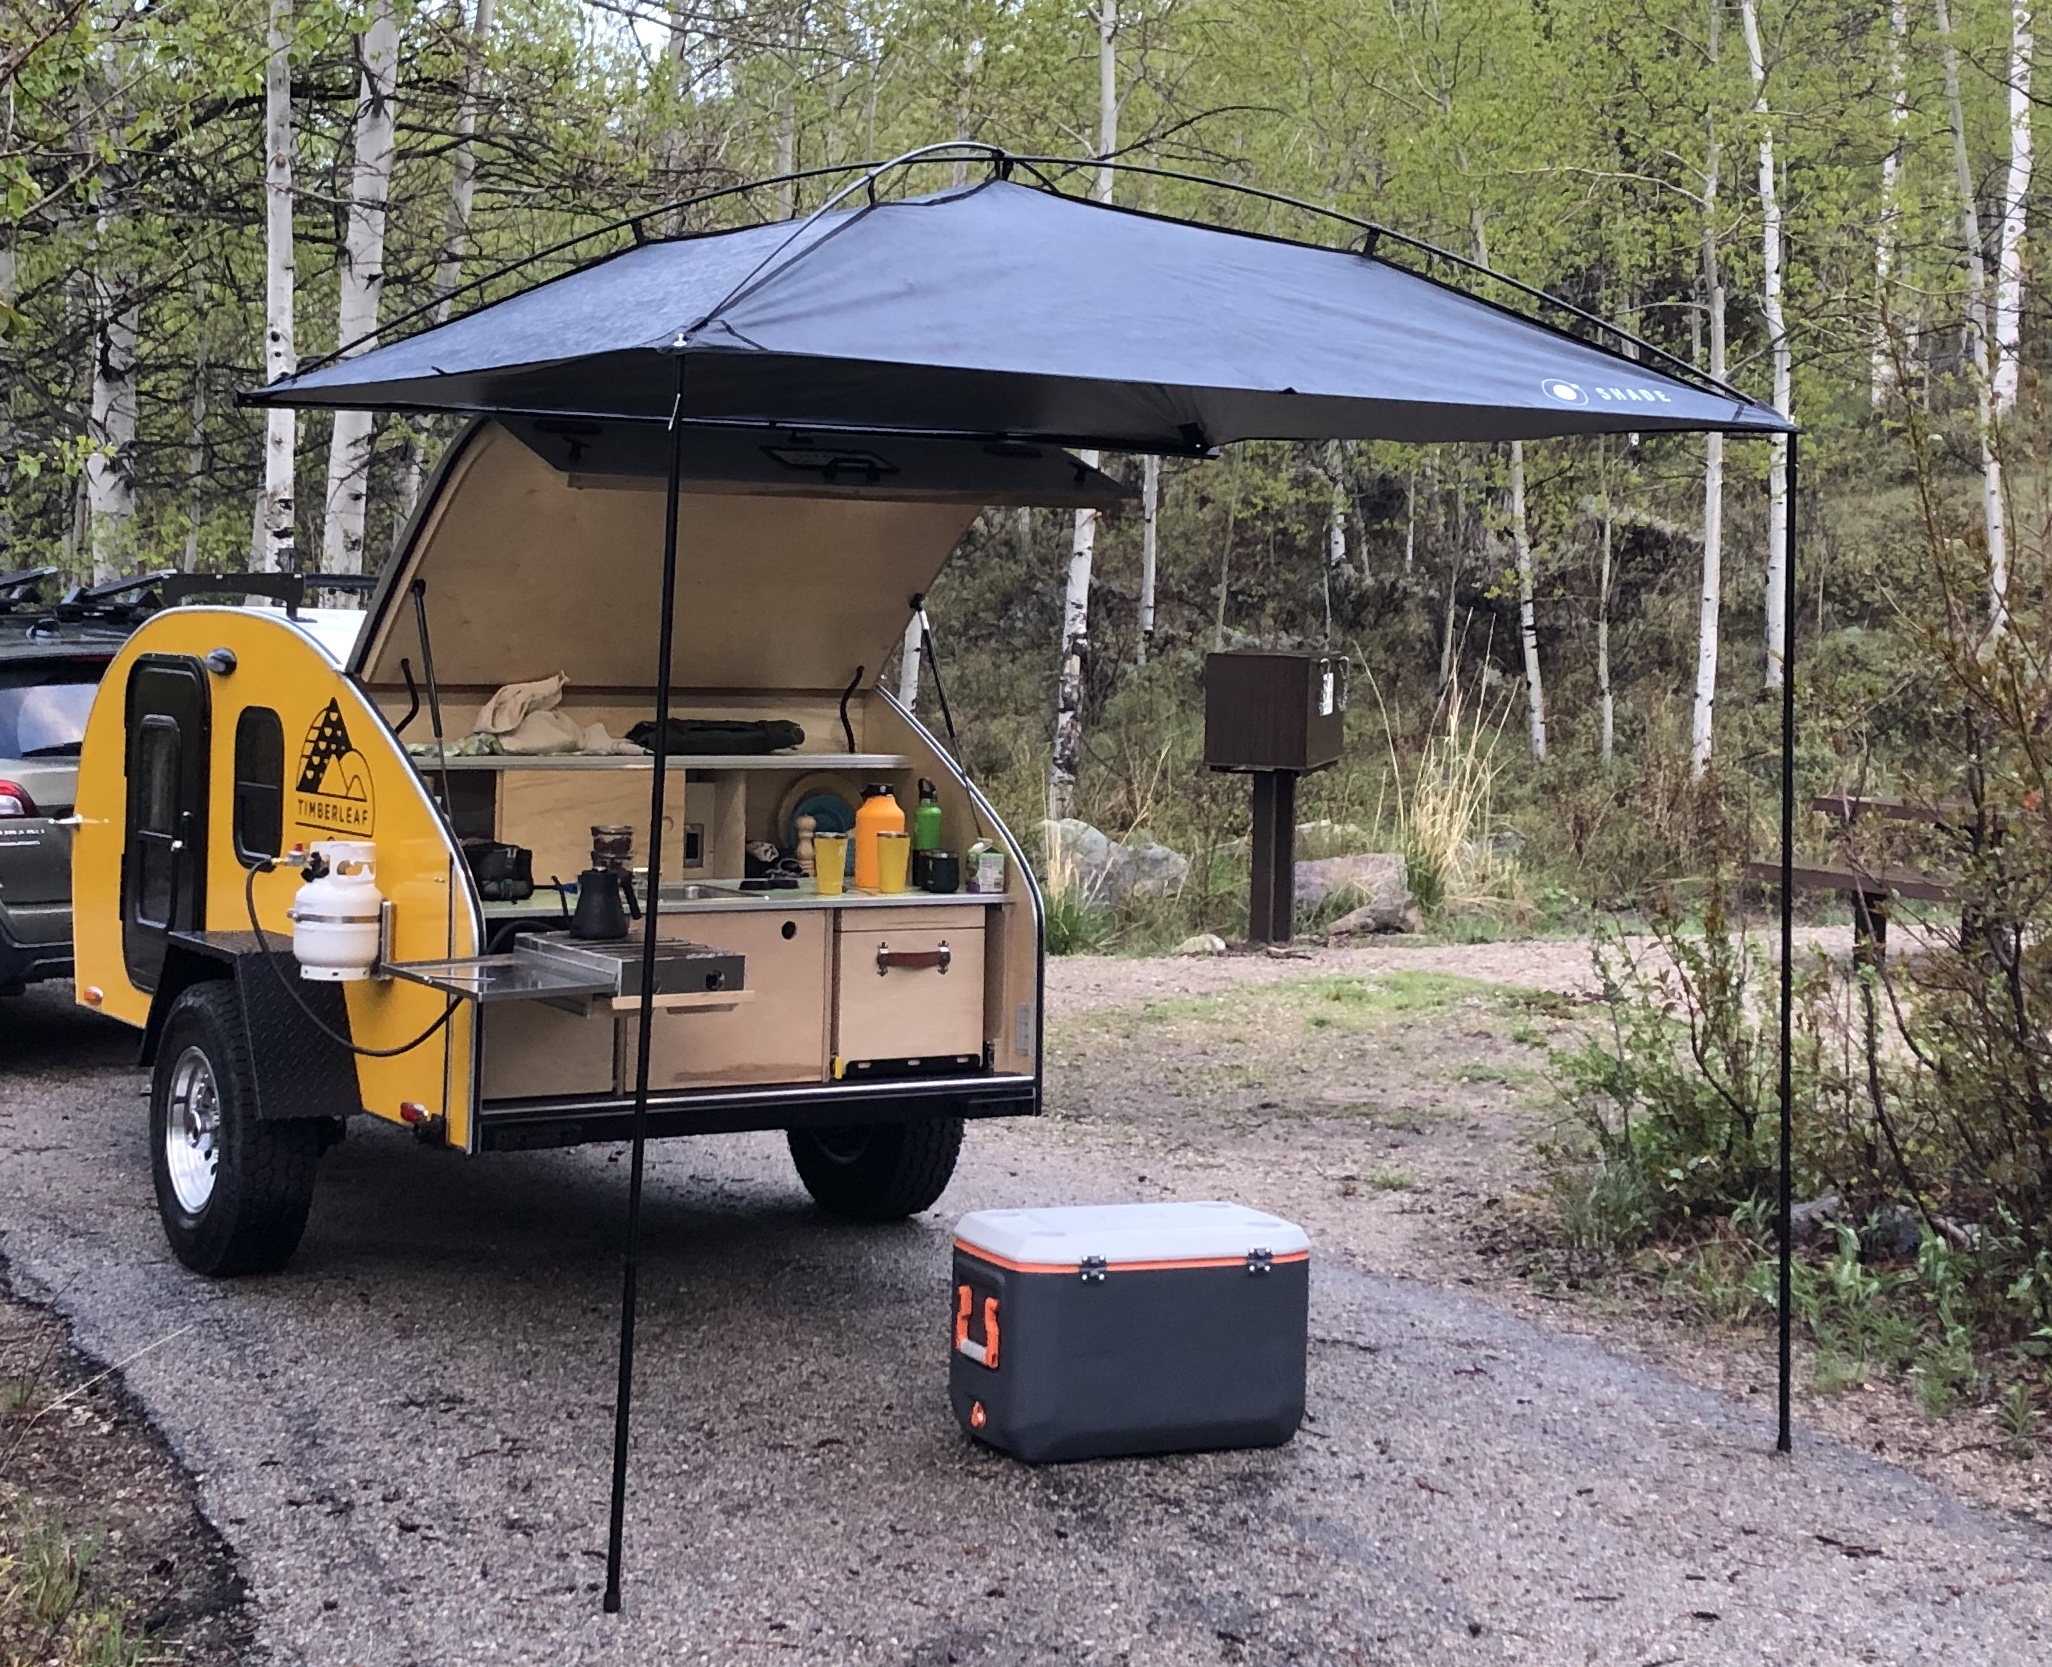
{"x":908,"y":992}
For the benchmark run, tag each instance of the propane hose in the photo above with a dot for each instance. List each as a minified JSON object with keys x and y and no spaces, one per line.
{"x":270,"y":959}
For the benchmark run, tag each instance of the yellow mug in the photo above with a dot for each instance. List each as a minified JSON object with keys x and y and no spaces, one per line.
{"x":893,"y":861}
{"x":830,"y":862}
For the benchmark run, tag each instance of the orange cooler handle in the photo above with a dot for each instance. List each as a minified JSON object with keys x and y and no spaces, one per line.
{"x":985,"y":1354}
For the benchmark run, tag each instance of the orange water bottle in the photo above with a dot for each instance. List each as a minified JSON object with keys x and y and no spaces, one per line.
{"x":878,"y":813}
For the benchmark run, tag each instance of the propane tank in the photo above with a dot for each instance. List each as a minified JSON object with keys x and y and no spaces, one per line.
{"x":336,"y":917}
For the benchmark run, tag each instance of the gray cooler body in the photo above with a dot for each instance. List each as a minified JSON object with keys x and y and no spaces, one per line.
{"x":1145,"y":1328}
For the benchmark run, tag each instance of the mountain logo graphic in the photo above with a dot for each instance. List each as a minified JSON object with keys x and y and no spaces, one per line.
{"x":334,"y":778}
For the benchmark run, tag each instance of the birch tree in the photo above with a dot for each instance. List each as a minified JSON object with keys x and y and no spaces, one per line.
{"x":110,"y":465}
{"x":1528,"y":627}
{"x":1771,"y":257}
{"x":361,"y":283}
{"x":271,"y":549}
{"x":1994,"y":509}
{"x":1889,"y":224}
{"x":2009,"y":255}
{"x":1068,"y":730}
{"x":1606,"y":699}
{"x":1710,"y":605}
{"x":456,"y":227}
{"x":1521,"y":553}
{"x":1150,"y":529}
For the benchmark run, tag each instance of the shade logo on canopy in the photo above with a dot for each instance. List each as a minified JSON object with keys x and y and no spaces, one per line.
{"x":1568,"y":393}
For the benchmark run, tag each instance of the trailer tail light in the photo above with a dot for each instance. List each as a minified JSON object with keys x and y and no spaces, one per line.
{"x":15,"y":800}
{"x":412,"y":1111}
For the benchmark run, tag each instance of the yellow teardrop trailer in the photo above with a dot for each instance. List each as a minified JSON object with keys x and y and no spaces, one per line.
{"x":231,"y":760}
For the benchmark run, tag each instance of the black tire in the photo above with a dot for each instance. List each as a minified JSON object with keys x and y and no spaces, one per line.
{"x":877,"y":1171}
{"x":255,"y":1209}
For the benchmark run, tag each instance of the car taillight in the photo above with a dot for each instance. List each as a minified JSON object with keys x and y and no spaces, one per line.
{"x":15,"y":800}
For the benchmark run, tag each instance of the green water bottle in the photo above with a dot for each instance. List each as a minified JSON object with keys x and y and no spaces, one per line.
{"x":926,"y":819}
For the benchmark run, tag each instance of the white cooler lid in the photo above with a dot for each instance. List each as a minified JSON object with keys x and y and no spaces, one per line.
{"x":1062,"y":1236}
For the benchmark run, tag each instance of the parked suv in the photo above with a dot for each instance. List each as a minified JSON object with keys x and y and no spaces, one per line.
{"x":52,"y":656}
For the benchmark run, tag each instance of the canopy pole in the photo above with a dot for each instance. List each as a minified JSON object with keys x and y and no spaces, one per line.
{"x":630,"y":1270}
{"x":1785,"y":1213}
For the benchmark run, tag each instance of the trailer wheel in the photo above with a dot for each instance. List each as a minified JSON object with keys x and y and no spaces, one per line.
{"x":877,"y":1171}
{"x":233,"y":1192}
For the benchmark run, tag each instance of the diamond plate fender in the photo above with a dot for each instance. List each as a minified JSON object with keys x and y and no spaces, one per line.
{"x":299,"y":1072}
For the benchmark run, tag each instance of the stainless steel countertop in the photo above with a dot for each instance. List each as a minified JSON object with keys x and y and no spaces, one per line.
{"x":805,"y":897}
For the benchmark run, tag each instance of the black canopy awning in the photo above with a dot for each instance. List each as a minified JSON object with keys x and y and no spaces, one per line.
{"x":1006,"y":310}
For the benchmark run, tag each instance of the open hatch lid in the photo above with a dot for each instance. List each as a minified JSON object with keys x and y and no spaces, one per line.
{"x":533,"y":569}
{"x":596,"y":454}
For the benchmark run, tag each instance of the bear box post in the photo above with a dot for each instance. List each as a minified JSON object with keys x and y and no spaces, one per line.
{"x":1274,"y":717}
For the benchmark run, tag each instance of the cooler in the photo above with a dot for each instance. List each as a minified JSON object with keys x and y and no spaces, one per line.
{"x":1088,"y":1332}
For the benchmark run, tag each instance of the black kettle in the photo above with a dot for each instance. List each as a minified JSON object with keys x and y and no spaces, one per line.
{"x":599,"y":917}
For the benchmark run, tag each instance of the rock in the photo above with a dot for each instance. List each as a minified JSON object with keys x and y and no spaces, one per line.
{"x":1895,"y":1234}
{"x":1149,"y":868}
{"x":1204,"y":943}
{"x":1811,"y":1222}
{"x":1373,"y":877}
{"x":1104,"y":870}
{"x":1397,"y":915}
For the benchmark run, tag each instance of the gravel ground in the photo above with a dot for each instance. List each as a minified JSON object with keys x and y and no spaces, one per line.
{"x":406,"y":1438}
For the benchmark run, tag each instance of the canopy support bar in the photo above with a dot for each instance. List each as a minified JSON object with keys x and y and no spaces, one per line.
{"x":630,"y":1270}
{"x":1786,"y":1202}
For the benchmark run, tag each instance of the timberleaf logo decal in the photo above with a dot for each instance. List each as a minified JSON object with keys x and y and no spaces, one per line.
{"x":334,"y":778}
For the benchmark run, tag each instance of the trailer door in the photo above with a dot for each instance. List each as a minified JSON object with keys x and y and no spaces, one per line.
{"x":163,"y":865}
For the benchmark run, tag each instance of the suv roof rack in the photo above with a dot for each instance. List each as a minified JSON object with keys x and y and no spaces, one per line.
{"x":130,"y":601}
{"x":24,"y":588}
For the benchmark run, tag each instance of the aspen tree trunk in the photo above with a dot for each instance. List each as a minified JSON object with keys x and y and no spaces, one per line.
{"x":1068,"y":730}
{"x":272,"y":549}
{"x":455,"y":234}
{"x":1528,"y":627}
{"x":1994,"y":506}
{"x":1708,"y":612}
{"x":1771,"y":253}
{"x":8,"y":281}
{"x":196,"y":432}
{"x":1606,"y":699}
{"x":1521,"y":545}
{"x":110,"y":469}
{"x":787,"y":151}
{"x":362,"y":282}
{"x":908,"y":665}
{"x":1410,"y":518}
{"x":1891,"y":201}
{"x":1150,"y":527}
{"x":2009,"y":256}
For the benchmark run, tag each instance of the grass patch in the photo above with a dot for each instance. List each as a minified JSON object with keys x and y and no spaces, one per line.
{"x":1391,"y":1178}
{"x":49,"y":1615}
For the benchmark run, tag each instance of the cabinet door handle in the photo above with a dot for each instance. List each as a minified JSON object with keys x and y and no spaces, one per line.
{"x":913,"y":960}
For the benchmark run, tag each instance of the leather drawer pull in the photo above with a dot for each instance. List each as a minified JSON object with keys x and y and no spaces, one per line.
{"x":913,"y":960}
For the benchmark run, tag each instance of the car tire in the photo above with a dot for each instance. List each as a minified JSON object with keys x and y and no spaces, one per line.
{"x":233,"y":1191}
{"x":877,"y":1171}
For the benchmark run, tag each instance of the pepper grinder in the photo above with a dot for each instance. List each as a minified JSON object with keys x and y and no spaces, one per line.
{"x":806,"y":826}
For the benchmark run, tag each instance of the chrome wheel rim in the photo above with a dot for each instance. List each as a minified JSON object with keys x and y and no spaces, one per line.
{"x":192,"y":1130}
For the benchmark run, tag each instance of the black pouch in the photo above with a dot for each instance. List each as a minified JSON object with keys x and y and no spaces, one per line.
{"x":721,"y":736}
{"x":504,"y":873}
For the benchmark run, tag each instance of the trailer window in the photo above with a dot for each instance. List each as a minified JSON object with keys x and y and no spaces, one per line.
{"x":259,"y":784}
